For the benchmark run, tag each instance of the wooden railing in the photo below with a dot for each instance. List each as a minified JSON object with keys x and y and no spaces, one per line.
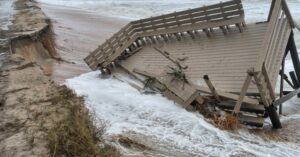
{"x":276,"y":38}
{"x":217,"y":15}
{"x":279,"y":28}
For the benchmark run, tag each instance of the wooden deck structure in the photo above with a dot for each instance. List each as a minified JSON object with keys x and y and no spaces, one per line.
{"x":236,"y":59}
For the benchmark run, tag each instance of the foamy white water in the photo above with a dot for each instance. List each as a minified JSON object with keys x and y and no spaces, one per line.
{"x":158,"y":122}
{"x":165,"y":126}
{"x":6,"y":14}
{"x":135,"y":9}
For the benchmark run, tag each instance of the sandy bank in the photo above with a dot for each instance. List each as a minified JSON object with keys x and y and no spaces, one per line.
{"x":36,"y":114}
{"x":77,"y":32}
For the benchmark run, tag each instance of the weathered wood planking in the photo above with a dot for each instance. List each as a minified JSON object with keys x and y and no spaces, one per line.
{"x":225,"y":59}
{"x":180,"y":92}
{"x":227,"y":13}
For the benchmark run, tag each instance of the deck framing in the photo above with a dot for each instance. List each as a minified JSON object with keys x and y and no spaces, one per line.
{"x":265,"y":61}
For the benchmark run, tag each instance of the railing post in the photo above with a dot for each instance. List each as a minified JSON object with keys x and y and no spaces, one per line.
{"x":295,"y":58}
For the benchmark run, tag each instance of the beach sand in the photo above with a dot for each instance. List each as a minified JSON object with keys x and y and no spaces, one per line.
{"x":77,"y":32}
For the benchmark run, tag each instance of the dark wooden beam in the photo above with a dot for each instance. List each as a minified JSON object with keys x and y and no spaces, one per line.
{"x":286,"y":97}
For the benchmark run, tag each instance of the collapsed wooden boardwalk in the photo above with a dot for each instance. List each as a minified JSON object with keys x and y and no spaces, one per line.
{"x":240,"y":62}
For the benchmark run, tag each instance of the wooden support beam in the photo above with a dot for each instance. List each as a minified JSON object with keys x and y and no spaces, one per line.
{"x":286,"y":79}
{"x":260,"y":86}
{"x":294,"y":56}
{"x":212,"y":88}
{"x":227,"y":95}
{"x":294,"y":79}
{"x":207,"y":32}
{"x":153,"y":40}
{"x":282,"y":78}
{"x":238,"y":25}
{"x":230,"y":104}
{"x":165,"y":37}
{"x":271,"y":10}
{"x":191,"y":34}
{"x":223,"y":29}
{"x":178,"y":37}
{"x":243,"y":92}
{"x":268,"y":81}
{"x":286,"y":97}
{"x":149,"y":41}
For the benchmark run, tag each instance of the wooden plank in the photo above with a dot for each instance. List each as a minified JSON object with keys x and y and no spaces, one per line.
{"x":271,"y":10}
{"x":196,"y":26}
{"x":229,"y":105}
{"x":251,"y":120}
{"x":228,"y":95}
{"x":269,"y":85}
{"x":239,"y":102}
{"x":93,"y":65}
{"x":187,"y":95}
{"x":268,"y":34}
{"x":260,"y":86}
{"x":179,"y":22}
{"x":210,"y":7}
{"x":288,"y":13}
{"x":212,"y":88}
{"x":226,"y":69}
{"x":286,"y":97}
{"x":233,"y":10}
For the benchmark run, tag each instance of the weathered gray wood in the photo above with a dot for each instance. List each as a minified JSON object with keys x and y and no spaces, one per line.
{"x":184,"y":96}
{"x":288,"y":13}
{"x":268,"y":35}
{"x":210,"y":7}
{"x":212,"y":88}
{"x":260,"y":85}
{"x":269,"y":85}
{"x":170,"y":23}
{"x":229,"y":105}
{"x":286,"y":97}
{"x":251,"y":120}
{"x":243,"y":92}
{"x":228,"y":95}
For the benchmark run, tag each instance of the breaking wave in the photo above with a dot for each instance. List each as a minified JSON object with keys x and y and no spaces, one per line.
{"x":165,"y":126}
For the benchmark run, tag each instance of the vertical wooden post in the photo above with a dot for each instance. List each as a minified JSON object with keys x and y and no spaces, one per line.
{"x":294,"y":56}
{"x":271,"y":9}
{"x":281,"y":83}
{"x":261,"y":89}
{"x":294,"y":79}
{"x":268,"y":81}
{"x":282,"y":78}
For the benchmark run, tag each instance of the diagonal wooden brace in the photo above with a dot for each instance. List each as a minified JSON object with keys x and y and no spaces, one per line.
{"x":247,"y":82}
{"x":211,"y":88}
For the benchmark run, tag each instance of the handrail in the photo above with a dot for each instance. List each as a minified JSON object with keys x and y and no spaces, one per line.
{"x":278,"y":31}
{"x":294,"y":24}
{"x":275,"y":14}
{"x":286,"y":9}
{"x":221,"y":14}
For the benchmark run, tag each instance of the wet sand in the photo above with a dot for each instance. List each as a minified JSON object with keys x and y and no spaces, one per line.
{"x":77,"y":32}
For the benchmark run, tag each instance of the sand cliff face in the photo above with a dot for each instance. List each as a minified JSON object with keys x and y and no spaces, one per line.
{"x":26,"y":90}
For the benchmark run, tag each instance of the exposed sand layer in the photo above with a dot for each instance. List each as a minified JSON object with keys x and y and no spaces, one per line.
{"x":77,"y":32}
{"x":30,"y":102}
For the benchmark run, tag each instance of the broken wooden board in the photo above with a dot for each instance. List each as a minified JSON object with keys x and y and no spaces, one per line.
{"x":180,"y":92}
{"x":228,"y":95}
{"x":229,"y":105}
{"x":251,"y":120}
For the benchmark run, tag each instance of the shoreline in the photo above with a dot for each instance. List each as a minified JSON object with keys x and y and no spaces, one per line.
{"x":77,"y":32}
{"x":31,"y":96}
{"x":37,"y":114}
